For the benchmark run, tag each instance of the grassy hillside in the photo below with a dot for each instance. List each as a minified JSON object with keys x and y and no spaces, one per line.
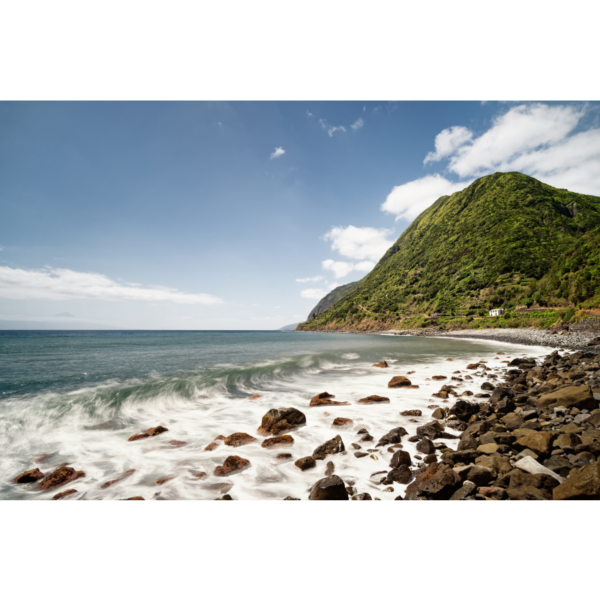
{"x":334,"y":296}
{"x":506,"y":240}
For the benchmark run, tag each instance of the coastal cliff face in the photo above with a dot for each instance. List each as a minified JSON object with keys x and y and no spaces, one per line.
{"x":334,"y":296}
{"x":508,"y":240}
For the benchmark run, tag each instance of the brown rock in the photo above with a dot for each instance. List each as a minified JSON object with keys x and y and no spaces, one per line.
{"x":495,"y":493}
{"x":308,"y":462}
{"x":232,"y":464}
{"x":279,"y":441}
{"x":201,"y":475}
{"x":382,"y":365}
{"x":163,"y":480}
{"x":29,"y":476}
{"x":399,"y":381}
{"x":62,"y":495}
{"x":283,"y":456}
{"x":153,"y":431}
{"x":499,"y":464}
{"x":580,"y":397}
{"x":538,"y":441}
{"x":425,"y":446}
{"x":373,"y":400}
{"x":238,"y":439}
{"x":400,"y":458}
{"x":282,"y":420}
{"x":438,"y":378}
{"x":341,"y":422}
{"x":394,"y":436}
{"x":436,"y":482}
{"x":438,"y":413}
{"x":524,"y":486}
{"x":333,"y":446}
{"x":324,"y":399}
{"x":329,"y":488}
{"x":583,"y":485}
{"x":135,"y":498}
{"x":214,"y":444}
{"x":59,"y":477}
{"x":411,"y":413}
{"x":473,"y":366}
{"x":569,"y":440}
{"x":120,"y":478}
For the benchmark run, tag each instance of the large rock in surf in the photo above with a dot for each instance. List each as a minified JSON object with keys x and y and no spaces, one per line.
{"x":278,"y":441}
{"x":59,"y":477}
{"x":238,"y":439}
{"x":374,"y":400}
{"x":324,"y":399}
{"x":307,"y":462}
{"x":399,"y":381}
{"x":62,"y":495}
{"x":382,"y":365}
{"x":281,"y":420}
{"x":333,"y":446}
{"x":232,"y":464}
{"x":393,"y":436}
{"x":400,"y":458}
{"x":148,"y":433}
{"x":29,"y":476}
{"x":329,"y":488}
{"x":342,"y":422}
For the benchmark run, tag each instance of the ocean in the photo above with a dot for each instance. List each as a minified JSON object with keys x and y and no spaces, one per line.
{"x":75,"y":397}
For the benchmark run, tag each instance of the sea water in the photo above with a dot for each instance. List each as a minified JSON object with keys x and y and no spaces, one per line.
{"x":77,"y":397}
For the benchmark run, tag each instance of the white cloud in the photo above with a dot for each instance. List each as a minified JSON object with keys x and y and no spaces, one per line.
{"x":277,"y":152}
{"x":309,"y":114}
{"x":313,"y":293}
{"x":64,"y":284}
{"x":409,"y":200}
{"x":357,"y":124}
{"x":448,"y":141}
{"x":339,"y":268}
{"x":307,"y":279}
{"x":359,"y":243}
{"x":330,"y":128}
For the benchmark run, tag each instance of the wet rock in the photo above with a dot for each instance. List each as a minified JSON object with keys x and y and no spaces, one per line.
{"x":394,"y":436}
{"x":238,"y":439}
{"x":436,"y":482}
{"x":134,"y":498}
{"x":425,"y":446}
{"x":400,"y":458}
{"x":360,"y":454}
{"x":283,"y":457}
{"x":290,"y":498}
{"x":342,"y":422}
{"x":411,"y":413}
{"x":438,"y":378}
{"x":307,"y":462}
{"x":163,"y":480}
{"x":464,"y":456}
{"x":366,"y":438}
{"x":153,"y":431}
{"x":487,"y":386}
{"x":400,"y":474}
{"x":200,"y":475}
{"x":329,"y":488}
{"x":473,"y":366}
{"x":438,"y":413}
{"x":232,"y":464}
{"x":29,"y":476}
{"x":583,"y":485}
{"x":356,"y":446}
{"x":373,"y":400}
{"x":59,"y":477}
{"x":464,"y":410}
{"x":278,"y":441}
{"x":382,"y":365}
{"x":364,"y":496}
{"x":330,"y":447}
{"x":281,"y":420}
{"x":120,"y":478}
{"x":215,"y":443}
{"x":430,"y":458}
{"x":399,"y":381}
{"x":62,"y":495}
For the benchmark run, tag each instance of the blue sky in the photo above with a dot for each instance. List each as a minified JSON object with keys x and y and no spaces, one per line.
{"x":204,"y":215}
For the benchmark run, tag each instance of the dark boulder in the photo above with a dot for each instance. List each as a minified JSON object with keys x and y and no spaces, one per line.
{"x":425,"y":446}
{"x":411,"y":413}
{"x":464,"y":410}
{"x":307,"y":462}
{"x":478,"y":474}
{"x":464,"y":456}
{"x":232,"y":464}
{"x":333,"y":446}
{"x":238,"y":439}
{"x":525,"y":486}
{"x":400,"y":458}
{"x":401,"y":474}
{"x":29,"y":476}
{"x":382,"y":365}
{"x":329,"y":488}
{"x":468,"y":489}
{"x":394,"y":436}
{"x":399,"y":381}
{"x":374,"y":400}
{"x":59,"y":477}
{"x":281,"y":420}
{"x":278,"y":441}
{"x":436,"y":482}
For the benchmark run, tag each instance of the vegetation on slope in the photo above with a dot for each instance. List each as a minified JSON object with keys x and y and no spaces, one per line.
{"x":506,"y":240}
{"x":334,"y":296}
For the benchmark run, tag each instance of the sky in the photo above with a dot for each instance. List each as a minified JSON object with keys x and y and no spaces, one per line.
{"x":242,"y":215}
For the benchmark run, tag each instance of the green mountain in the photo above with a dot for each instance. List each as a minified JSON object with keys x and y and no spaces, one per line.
{"x":334,"y":296}
{"x":506,"y":240}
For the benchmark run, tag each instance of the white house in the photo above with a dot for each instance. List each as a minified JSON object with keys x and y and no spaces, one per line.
{"x":496,"y":312}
